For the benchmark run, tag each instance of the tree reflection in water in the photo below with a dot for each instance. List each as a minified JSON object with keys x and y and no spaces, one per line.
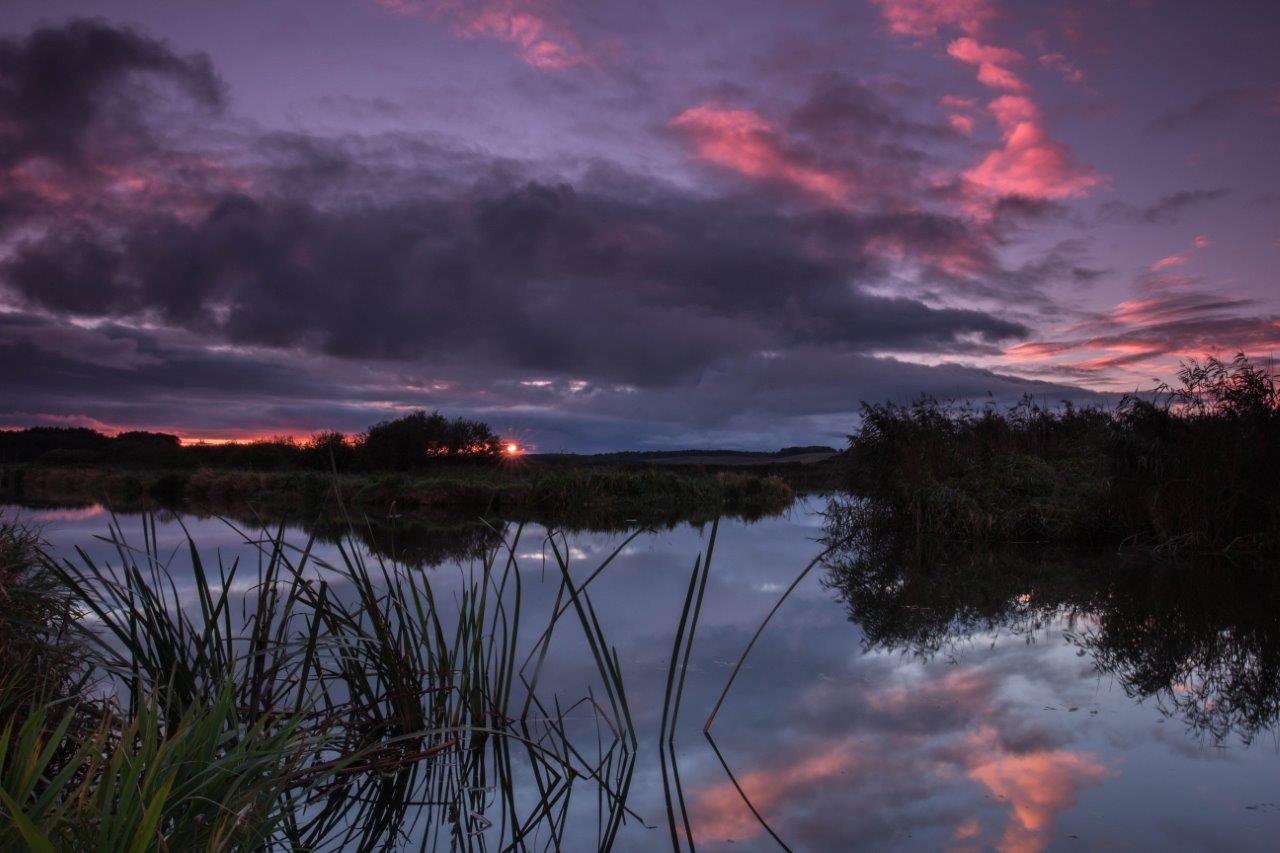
{"x":1200,"y":638}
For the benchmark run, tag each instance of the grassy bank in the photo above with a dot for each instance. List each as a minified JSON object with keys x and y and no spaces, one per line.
{"x":1193,"y":467}
{"x":567,"y":495}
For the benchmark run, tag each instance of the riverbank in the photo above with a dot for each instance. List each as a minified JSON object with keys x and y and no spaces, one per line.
{"x":562,"y":494}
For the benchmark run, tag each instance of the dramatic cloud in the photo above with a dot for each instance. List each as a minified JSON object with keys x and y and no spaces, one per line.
{"x":960,"y":113}
{"x":477,"y":281}
{"x":926,"y":17}
{"x":85,"y":110}
{"x":992,"y":63}
{"x":1147,"y":336}
{"x":614,"y":224}
{"x":1058,"y":62}
{"x":514,"y":266}
{"x":743,"y":141}
{"x":843,"y":145}
{"x":1168,"y":209}
{"x":66,"y":90}
{"x":1031,"y":163}
{"x":538,"y":36}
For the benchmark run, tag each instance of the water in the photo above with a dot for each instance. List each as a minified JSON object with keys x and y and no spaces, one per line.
{"x":892,"y":709}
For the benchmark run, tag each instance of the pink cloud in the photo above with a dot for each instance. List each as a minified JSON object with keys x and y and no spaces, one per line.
{"x":1148,"y":335}
{"x":922,"y":18}
{"x":540,"y":39}
{"x":1013,"y":110}
{"x":1167,"y":262}
{"x":966,"y":690}
{"x":961,"y":123}
{"x":177,"y":182}
{"x":992,"y":63}
{"x":1059,"y":63}
{"x":744,"y":142}
{"x":719,"y":812}
{"x":1030,"y":163}
{"x":22,"y":420}
{"x":958,"y":112}
{"x":960,"y":258}
{"x":50,"y":516}
{"x":1037,"y":785}
{"x":955,"y":102}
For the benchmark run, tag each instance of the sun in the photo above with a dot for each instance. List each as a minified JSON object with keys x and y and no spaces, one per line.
{"x":512,"y":449}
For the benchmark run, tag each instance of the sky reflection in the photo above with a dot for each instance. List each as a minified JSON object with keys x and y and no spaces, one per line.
{"x":1010,"y":740}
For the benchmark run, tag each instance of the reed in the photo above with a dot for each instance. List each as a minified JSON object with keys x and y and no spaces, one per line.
{"x":286,"y":702}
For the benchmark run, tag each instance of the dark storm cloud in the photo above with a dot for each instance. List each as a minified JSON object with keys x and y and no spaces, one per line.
{"x":843,"y":109}
{"x":60,"y":83}
{"x":304,"y":281}
{"x":1166,"y":210}
{"x":844,"y":143}
{"x":1013,"y":213}
{"x":537,"y":277}
{"x":116,"y":374}
{"x":1169,"y":207}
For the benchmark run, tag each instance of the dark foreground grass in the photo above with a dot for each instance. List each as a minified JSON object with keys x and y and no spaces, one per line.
{"x":38,"y":660}
{"x":1194,"y":467}
{"x":288,"y":703}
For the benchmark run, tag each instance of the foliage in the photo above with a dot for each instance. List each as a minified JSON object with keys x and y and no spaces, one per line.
{"x":303,"y":705}
{"x":412,"y":441}
{"x":208,"y":782}
{"x":38,"y":663}
{"x":1195,"y":466}
{"x":417,"y":437}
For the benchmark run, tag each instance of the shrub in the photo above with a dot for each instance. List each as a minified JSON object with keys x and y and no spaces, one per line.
{"x":1195,"y":465}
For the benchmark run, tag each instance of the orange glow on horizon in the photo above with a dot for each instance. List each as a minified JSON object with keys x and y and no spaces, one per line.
{"x":189,"y":440}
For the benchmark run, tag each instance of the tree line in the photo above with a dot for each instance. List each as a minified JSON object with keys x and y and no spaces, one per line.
{"x":415,"y":440}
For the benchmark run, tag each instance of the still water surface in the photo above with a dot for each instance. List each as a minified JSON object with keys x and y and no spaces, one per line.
{"x":880,"y":712}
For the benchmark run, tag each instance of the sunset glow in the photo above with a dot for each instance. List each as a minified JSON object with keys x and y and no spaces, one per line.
{"x":614,"y":228}
{"x":489,"y":386}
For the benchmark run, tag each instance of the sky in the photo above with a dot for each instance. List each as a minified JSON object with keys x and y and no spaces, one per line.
{"x":619,"y":225}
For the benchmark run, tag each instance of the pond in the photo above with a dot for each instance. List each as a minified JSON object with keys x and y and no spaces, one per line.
{"x":1044,"y":702}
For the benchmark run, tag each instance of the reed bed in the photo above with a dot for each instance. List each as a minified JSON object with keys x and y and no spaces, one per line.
{"x":290,"y":703}
{"x":1193,"y":467}
{"x":610,"y":497}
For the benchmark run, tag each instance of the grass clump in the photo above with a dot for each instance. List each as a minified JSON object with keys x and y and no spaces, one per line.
{"x":207,"y":782}
{"x":1193,"y":466}
{"x":39,"y":661}
{"x":289,"y":703}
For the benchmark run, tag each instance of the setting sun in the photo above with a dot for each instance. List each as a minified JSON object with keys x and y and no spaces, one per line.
{"x":512,"y":449}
